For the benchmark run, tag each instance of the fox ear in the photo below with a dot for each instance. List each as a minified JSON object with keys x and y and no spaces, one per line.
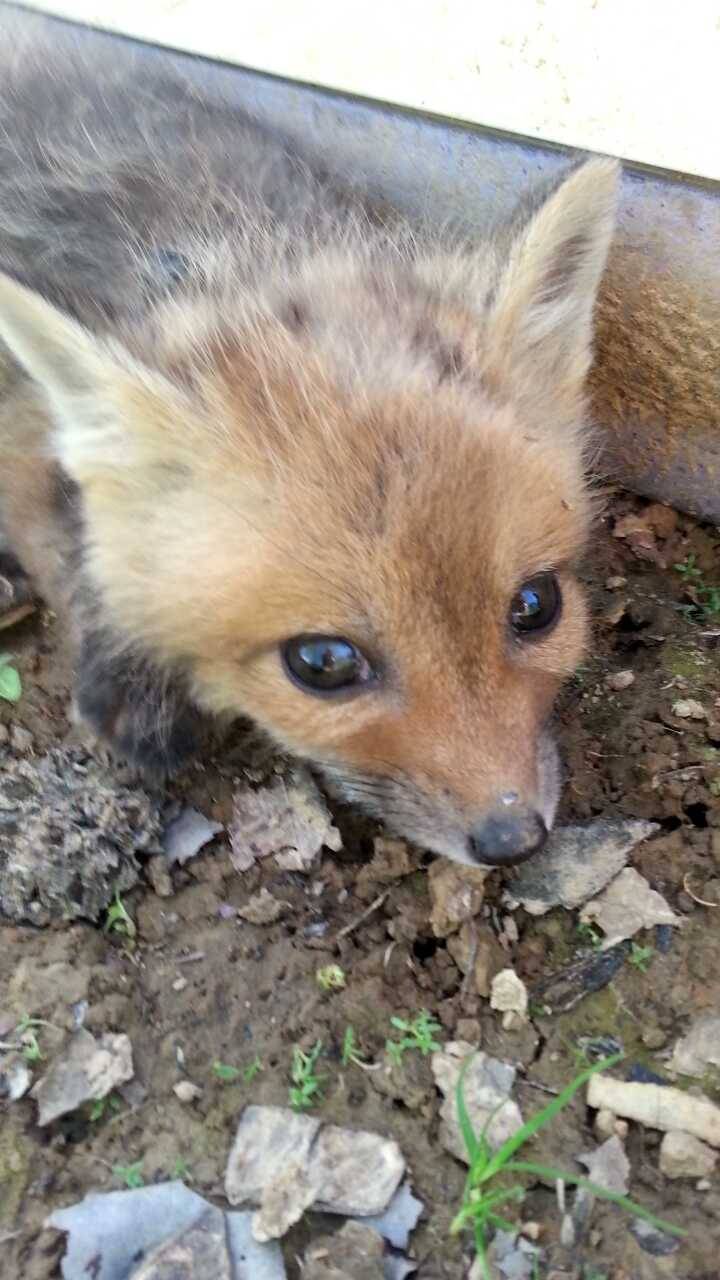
{"x":110,"y":413}
{"x":539,"y":333}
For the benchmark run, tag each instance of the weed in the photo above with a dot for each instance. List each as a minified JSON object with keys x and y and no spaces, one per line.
{"x":350,"y":1053}
{"x":102,"y":1106}
{"x":418,"y":1034}
{"x":640,"y":957}
{"x":305,"y":1090}
{"x":130,"y":1174}
{"x":181,"y":1170}
{"x":589,"y":935}
{"x":482,"y":1197}
{"x":252,"y":1070}
{"x":223,"y":1071}
{"x":119,"y":919}
{"x":706,"y":598}
{"x":10,"y":682}
{"x":26,"y":1029}
{"x":331,"y":977}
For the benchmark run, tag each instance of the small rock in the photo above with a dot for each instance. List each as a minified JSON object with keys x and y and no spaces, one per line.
{"x":627,"y":906}
{"x":608,"y":1166}
{"x":187,"y":834}
{"x":508,"y":994}
{"x":615,"y":583}
{"x":159,"y":877}
{"x":486,"y":1085}
{"x":186,"y":1091}
{"x":87,"y":1070}
{"x":532,"y":1230}
{"x":288,"y":818}
{"x":399,"y":1219}
{"x":407,"y":1081}
{"x":198,"y":1252}
{"x":262,"y":908}
{"x":352,"y":1171}
{"x":511,"y":1256}
{"x":469,"y":1029}
{"x":683,"y":1156}
{"x":354,"y":1253}
{"x":576,"y":863}
{"x":179,"y":984}
{"x":654,"y":1038}
{"x":160,"y":1232}
{"x":652,"y":1240}
{"x":688,"y":709}
{"x":284,"y":1201}
{"x":476,"y":944}
{"x":620,"y":680}
{"x":657,"y":1106}
{"x":699,"y":1049}
{"x":15,"y":1077}
{"x":607,"y":1125}
{"x":390,"y":862}
{"x":456,"y":893}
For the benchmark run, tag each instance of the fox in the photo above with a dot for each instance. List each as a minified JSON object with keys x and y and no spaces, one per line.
{"x":271,"y":452}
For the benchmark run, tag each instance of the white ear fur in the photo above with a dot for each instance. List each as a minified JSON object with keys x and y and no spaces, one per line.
{"x":540,"y":317}
{"x":95,"y":394}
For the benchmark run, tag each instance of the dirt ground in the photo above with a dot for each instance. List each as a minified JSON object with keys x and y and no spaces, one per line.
{"x":202,"y":986}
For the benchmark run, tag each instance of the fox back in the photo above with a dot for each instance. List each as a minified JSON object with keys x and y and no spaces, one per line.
{"x":315,"y":467}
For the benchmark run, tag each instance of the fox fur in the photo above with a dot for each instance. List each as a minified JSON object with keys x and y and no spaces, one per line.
{"x":238,"y":405}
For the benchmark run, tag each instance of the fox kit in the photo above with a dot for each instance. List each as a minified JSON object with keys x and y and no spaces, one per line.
{"x":273,"y":454}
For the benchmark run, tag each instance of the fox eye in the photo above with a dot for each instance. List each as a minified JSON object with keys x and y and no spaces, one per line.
{"x":536,"y":606}
{"x":326,"y":664}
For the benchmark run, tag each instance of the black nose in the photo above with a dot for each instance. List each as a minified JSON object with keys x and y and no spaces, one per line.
{"x":507,"y":836}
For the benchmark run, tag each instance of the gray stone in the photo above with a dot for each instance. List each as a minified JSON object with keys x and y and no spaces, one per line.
{"x":576,"y":863}
{"x":289,"y":819}
{"x":187,"y":834}
{"x":86,"y":1070}
{"x":683,"y":1156}
{"x":162,"y":1227}
{"x":351,"y":1171}
{"x":699,"y":1049}
{"x":486,"y":1089}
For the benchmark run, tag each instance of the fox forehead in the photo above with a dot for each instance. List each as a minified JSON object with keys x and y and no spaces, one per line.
{"x":346,"y":516}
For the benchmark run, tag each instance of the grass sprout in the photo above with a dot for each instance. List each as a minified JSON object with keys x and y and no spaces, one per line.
{"x":483,"y":1198}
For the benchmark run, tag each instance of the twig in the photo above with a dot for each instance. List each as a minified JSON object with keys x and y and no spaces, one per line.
{"x":702,"y":901}
{"x":349,"y":928}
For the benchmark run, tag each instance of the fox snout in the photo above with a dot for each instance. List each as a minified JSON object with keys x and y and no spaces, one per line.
{"x":507,"y":835}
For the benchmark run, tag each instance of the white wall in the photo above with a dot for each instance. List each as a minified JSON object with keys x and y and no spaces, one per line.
{"x":636,"y":78}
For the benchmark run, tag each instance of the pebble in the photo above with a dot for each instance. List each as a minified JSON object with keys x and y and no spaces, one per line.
{"x":683,"y":1156}
{"x":186,"y":1091}
{"x":688,"y":709}
{"x":620,"y":680}
{"x":615,"y":583}
{"x":179,"y":984}
{"x":456,"y":893}
{"x":508,"y":994}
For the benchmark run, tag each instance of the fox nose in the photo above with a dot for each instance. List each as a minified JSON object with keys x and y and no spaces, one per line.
{"x":506,"y":836}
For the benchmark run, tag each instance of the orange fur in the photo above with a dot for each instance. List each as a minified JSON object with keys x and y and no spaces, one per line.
{"x":374,"y":436}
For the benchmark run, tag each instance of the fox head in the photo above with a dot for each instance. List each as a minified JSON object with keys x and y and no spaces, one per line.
{"x":349,"y":500}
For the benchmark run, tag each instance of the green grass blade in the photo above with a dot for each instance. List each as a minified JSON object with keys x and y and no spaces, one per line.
{"x":472,"y":1146}
{"x":541,"y":1118}
{"x":555,"y":1175}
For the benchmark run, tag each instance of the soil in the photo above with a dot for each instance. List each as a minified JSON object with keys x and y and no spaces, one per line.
{"x":199,"y":986}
